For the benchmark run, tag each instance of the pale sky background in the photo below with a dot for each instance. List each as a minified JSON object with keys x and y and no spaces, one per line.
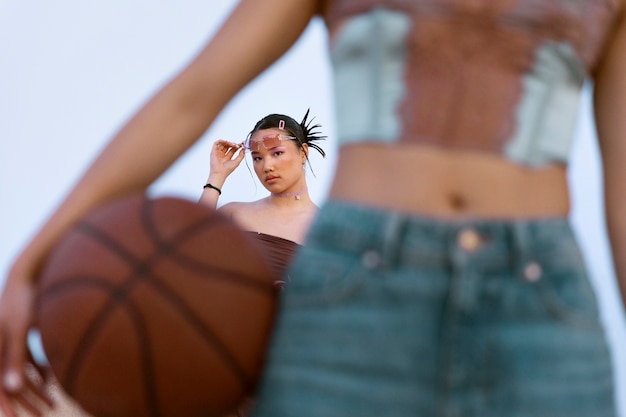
{"x":72,"y":72}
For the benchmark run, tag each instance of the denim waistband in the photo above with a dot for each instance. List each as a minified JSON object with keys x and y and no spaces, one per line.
{"x":411,"y":238}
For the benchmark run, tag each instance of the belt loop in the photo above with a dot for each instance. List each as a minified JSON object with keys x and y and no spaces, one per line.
{"x":392,"y":237}
{"x":520,"y":243}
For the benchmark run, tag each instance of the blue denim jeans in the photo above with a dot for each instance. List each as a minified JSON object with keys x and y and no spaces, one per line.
{"x":395,"y":315}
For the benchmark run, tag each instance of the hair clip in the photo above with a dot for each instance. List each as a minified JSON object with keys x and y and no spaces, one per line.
{"x":281,"y":124}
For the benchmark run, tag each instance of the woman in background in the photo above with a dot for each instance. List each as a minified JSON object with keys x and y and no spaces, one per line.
{"x":279,"y":147}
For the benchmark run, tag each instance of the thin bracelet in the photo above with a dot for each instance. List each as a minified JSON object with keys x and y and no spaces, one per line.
{"x":209,"y":185}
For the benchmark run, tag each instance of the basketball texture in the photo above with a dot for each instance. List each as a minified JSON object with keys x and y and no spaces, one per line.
{"x":156,"y":307}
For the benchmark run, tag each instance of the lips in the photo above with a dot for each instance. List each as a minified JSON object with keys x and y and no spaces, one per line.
{"x":270,"y":179}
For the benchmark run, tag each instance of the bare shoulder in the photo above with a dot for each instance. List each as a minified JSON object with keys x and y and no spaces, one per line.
{"x":231,"y":209}
{"x":242,"y":211}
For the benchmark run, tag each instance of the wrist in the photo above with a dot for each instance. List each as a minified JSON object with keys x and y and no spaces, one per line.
{"x":210,"y":186}
{"x":22,"y":270}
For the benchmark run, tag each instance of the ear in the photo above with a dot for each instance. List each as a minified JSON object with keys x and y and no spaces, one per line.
{"x":304,"y":152}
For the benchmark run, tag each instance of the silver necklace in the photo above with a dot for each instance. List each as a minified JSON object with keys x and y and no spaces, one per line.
{"x":295,"y":194}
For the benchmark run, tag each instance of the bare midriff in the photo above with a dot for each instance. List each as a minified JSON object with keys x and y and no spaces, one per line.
{"x":447,"y":183}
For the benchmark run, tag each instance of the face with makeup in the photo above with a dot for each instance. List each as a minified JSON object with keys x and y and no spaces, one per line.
{"x":278,"y":160}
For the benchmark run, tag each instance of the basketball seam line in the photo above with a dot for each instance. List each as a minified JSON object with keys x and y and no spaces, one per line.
{"x":162,"y":247}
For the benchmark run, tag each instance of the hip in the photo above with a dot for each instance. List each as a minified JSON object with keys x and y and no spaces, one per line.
{"x":391,"y":313}
{"x":529,"y":268}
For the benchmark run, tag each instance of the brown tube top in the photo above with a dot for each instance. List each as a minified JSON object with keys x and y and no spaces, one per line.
{"x":279,"y":252}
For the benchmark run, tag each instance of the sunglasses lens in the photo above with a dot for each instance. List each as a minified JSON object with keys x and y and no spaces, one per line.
{"x":268,"y":142}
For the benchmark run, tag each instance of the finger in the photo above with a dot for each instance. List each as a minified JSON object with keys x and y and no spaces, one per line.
{"x":42,"y":372}
{"x":225,"y":143}
{"x":237,"y":153}
{"x":40,"y":392}
{"x":34,"y":396}
{"x":11,"y":377}
{"x":229,"y":151}
{"x":28,"y":405}
{"x":38,"y":380}
{"x":239,"y":156}
{"x":13,"y":349}
{"x":5,"y":405}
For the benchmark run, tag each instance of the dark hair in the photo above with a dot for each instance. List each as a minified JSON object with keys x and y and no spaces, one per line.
{"x":305,"y":131}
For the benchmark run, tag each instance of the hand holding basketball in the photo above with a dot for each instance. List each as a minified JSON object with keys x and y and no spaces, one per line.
{"x":156,"y":307}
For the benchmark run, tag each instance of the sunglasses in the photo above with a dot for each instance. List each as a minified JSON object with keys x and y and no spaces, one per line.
{"x":267,"y":142}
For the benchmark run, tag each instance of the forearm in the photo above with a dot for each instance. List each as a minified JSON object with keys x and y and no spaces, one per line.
{"x":136,"y":156}
{"x":175,"y":117}
{"x":211,"y":193}
{"x":250,"y":40}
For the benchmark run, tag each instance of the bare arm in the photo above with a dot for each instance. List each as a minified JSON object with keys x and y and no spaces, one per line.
{"x":256,"y":34}
{"x":609,"y":104}
{"x":253,"y":37}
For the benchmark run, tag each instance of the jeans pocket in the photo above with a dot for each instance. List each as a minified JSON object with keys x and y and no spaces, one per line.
{"x":322,"y":276}
{"x":565,"y":290}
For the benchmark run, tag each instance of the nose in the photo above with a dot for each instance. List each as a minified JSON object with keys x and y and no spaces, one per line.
{"x":268,"y":166}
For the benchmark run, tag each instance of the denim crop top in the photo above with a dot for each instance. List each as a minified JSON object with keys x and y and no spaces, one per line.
{"x":487,"y":75}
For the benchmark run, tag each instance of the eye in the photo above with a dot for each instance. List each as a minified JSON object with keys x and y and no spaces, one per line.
{"x":278,"y":153}
{"x":256,"y":158}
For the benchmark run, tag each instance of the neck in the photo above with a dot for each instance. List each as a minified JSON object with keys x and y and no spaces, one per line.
{"x":295,"y":195}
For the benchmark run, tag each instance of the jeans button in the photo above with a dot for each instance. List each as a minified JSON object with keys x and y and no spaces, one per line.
{"x":370,"y":259}
{"x":468,"y":239}
{"x":532,"y":272}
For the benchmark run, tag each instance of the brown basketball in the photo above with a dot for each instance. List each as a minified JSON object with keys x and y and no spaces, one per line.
{"x":156,"y":307}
